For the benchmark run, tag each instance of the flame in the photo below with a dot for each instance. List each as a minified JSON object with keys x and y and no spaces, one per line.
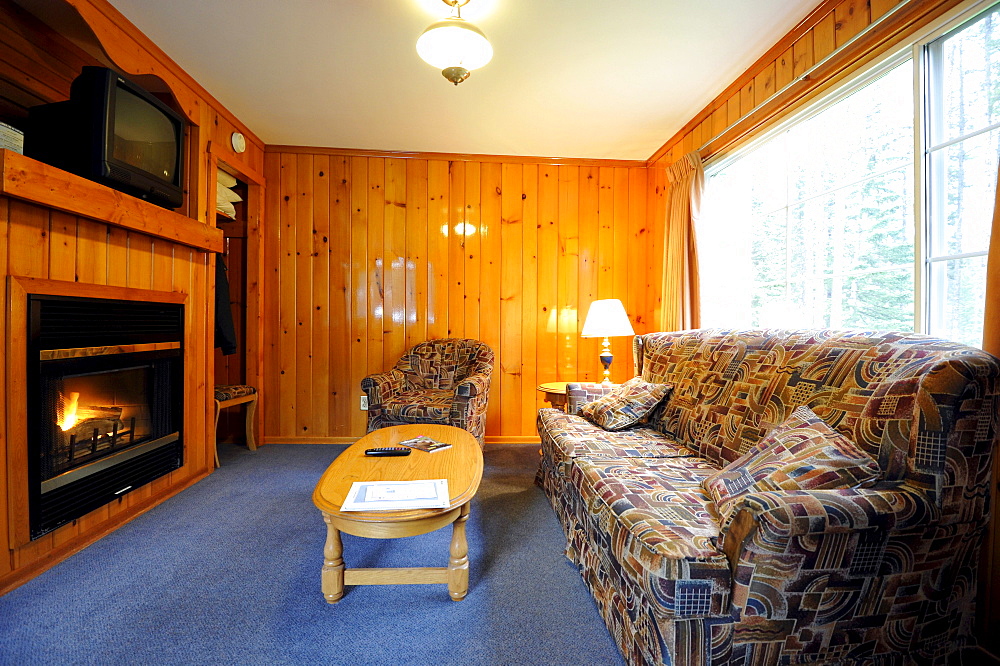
{"x":69,"y":418}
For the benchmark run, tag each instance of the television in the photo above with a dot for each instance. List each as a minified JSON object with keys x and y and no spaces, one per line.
{"x":114,"y":132}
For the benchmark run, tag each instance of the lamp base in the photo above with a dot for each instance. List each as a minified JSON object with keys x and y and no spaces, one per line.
{"x":606,"y":358}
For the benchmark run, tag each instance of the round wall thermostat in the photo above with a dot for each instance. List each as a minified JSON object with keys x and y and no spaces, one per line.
{"x":239,"y":142}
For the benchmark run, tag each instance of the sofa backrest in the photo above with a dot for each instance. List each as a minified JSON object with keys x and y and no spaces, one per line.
{"x":924,"y":408}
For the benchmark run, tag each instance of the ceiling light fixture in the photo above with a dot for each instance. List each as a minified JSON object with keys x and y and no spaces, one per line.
{"x":454,"y":45}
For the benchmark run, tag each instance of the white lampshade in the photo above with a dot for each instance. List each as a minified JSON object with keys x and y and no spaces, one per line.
{"x":454,"y":42}
{"x":605,"y":319}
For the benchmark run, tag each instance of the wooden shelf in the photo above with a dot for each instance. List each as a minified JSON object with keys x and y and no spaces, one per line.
{"x":24,"y":178}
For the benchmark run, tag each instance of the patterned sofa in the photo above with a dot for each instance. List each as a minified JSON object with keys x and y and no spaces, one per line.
{"x":878,"y":575}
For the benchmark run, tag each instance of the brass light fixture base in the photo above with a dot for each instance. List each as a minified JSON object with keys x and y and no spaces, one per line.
{"x":455,"y":74}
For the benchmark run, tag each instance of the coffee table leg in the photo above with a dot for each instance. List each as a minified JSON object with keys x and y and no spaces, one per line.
{"x":332,"y":576}
{"x":458,"y":563}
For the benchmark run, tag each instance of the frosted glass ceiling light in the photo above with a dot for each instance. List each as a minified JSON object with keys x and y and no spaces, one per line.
{"x":454,"y":45}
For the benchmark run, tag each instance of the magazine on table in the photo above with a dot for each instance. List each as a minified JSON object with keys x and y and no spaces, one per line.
{"x":424,"y":443}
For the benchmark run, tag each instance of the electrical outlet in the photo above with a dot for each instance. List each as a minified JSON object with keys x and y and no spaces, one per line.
{"x":364,"y":403}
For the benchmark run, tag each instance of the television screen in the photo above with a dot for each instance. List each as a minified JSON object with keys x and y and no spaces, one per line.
{"x":143,"y":137}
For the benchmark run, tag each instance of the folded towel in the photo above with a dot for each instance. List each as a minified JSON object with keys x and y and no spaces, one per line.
{"x":224,"y":178}
{"x":223,"y":193}
{"x":226,"y":208}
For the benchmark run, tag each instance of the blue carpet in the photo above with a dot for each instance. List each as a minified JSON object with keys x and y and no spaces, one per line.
{"x":228,"y":572}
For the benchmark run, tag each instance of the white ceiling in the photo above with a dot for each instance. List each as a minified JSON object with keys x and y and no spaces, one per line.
{"x":569,"y":78}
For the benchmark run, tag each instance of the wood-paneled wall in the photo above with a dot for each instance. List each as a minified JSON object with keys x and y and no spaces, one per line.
{"x":37,"y":64}
{"x":366,"y":255}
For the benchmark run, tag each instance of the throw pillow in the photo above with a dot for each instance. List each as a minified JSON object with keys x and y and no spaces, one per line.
{"x":625,"y":405}
{"x":803,"y":453}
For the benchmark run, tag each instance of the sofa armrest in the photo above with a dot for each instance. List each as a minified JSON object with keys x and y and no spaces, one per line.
{"x":580,"y":393}
{"x":800,"y":532}
{"x":379,"y":386}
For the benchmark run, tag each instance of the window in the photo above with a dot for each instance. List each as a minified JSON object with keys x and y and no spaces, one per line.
{"x":814,"y":226}
{"x":963,"y":143}
{"x":825,"y":209}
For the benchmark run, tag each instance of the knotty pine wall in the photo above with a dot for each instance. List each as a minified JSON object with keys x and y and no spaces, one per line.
{"x":365,"y":256}
{"x":37,"y":64}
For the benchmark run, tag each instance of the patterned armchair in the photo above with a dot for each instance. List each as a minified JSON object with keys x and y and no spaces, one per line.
{"x":439,"y":381}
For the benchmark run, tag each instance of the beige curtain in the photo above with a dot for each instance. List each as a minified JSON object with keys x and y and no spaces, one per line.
{"x":991,"y":323}
{"x":682,"y":192}
{"x":989,"y":587}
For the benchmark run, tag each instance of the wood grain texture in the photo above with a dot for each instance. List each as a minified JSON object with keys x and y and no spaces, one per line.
{"x":509,"y":253}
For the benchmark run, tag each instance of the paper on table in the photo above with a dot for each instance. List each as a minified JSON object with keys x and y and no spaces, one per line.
{"x":397,"y":495}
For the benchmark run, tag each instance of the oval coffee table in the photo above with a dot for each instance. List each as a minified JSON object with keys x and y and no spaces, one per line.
{"x":461,"y":465}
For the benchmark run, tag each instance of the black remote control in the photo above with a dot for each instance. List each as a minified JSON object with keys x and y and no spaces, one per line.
{"x":388,"y":451}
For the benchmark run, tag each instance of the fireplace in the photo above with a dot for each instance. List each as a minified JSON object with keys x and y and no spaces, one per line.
{"x":104,"y":408}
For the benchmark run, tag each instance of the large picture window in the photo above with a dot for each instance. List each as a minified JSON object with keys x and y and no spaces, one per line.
{"x":826,"y":223}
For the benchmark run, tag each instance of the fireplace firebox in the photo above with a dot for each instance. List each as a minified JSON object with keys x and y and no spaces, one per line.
{"x":105,"y":397}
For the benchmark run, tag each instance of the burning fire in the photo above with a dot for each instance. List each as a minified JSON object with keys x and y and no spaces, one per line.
{"x":69,"y":417}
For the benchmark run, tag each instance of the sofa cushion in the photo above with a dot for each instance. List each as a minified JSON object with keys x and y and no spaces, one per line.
{"x":573,"y":436}
{"x":653,"y":517}
{"x":420,"y":406}
{"x":802,"y":453}
{"x":625,"y":405}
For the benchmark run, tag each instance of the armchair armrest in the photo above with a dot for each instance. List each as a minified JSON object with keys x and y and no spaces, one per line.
{"x":580,"y":393}
{"x":378,"y":386}
{"x":472,"y":386}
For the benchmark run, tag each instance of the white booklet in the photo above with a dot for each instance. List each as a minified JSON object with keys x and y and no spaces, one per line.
{"x":397,"y":495}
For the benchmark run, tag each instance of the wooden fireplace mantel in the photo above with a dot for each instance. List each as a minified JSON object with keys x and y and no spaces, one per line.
{"x":24,"y":178}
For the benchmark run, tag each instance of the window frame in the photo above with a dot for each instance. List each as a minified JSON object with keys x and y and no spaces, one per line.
{"x":918,"y":50}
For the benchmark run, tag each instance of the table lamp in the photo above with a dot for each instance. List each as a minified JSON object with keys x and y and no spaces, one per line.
{"x":606,"y":318}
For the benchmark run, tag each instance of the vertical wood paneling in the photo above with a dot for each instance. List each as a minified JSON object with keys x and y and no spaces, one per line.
{"x":305,"y":265}
{"x":360,"y":283}
{"x":509,"y":253}
{"x":339,"y":244}
{"x":529,"y":298}
{"x":589,"y":368}
{"x":438,"y":237}
{"x":511,"y":257}
{"x":473,"y":243}
{"x":394,"y":263}
{"x":456,"y":250}
{"x":286,"y":283}
{"x":323,"y":295}
{"x":547,"y":350}
{"x":489,"y":288}
{"x":569,"y":272}
{"x":378,"y":321}
{"x":417,"y":233}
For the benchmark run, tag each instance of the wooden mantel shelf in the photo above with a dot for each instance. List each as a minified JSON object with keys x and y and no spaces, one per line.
{"x":24,"y":178}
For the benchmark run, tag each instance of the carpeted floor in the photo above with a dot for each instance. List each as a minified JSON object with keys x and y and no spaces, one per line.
{"x":227,"y":572}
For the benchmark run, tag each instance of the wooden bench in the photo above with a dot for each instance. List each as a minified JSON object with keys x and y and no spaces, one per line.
{"x":230,"y":396}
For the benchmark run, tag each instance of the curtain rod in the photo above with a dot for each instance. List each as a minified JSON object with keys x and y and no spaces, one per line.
{"x":805,"y":75}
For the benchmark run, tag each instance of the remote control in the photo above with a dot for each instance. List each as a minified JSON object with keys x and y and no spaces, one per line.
{"x":388,"y":451}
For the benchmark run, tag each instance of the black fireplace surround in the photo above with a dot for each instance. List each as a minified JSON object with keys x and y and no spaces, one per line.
{"x":105,"y":402}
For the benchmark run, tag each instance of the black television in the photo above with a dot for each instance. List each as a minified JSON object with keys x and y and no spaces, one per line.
{"x":114,"y":132}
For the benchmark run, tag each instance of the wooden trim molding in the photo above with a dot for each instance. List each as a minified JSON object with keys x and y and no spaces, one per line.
{"x":455,"y":157}
{"x":24,"y":178}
